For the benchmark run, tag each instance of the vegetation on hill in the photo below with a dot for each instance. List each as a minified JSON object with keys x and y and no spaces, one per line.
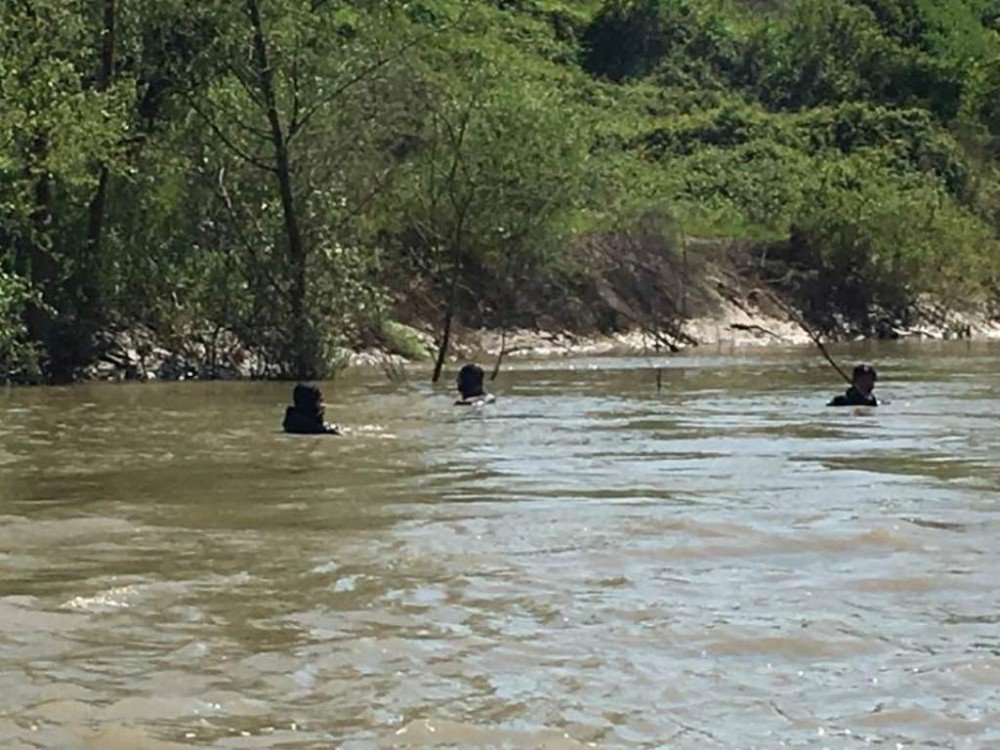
{"x":301,"y":173}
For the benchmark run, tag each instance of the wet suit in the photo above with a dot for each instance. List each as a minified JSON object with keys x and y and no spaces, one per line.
{"x":854,"y":397}
{"x":306,"y":416}
{"x":470,"y":387}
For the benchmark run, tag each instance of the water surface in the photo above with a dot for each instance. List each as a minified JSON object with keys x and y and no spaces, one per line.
{"x":724,"y":563}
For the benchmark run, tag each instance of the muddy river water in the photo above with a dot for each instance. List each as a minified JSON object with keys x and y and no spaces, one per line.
{"x":721,"y":564}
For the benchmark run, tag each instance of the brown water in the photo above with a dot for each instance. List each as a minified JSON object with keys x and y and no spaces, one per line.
{"x":724,"y":564}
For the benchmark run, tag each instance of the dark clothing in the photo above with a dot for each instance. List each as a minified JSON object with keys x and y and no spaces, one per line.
{"x":854,"y":397}
{"x":302,"y":422}
{"x":306,"y":417}
{"x":470,"y":383}
{"x":307,"y":398}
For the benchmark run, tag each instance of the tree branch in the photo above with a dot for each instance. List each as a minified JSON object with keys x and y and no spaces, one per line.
{"x":297,"y":125}
{"x":225,"y":139}
{"x":254,"y":95}
{"x":381,"y":184}
{"x":238,"y":224}
{"x":296,"y":102}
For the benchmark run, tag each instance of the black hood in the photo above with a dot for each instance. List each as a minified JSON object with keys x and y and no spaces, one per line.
{"x":307,"y":398}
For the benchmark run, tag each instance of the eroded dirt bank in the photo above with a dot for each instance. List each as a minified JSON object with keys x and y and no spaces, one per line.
{"x":635,"y":300}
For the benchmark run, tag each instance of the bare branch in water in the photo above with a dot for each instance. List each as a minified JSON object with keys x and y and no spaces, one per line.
{"x":816,"y":339}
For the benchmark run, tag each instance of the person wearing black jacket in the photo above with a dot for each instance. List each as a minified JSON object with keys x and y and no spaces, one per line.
{"x":469,"y":384}
{"x":305,"y":417}
{"x":861,"y":391}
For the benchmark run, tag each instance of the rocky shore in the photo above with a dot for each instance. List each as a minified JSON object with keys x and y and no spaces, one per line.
{"x":138,"y":354}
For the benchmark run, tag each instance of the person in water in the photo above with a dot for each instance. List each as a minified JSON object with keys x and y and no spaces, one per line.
{"x":861,"y":391}
{"x":470,"y":386}
{"x":305,"y":417}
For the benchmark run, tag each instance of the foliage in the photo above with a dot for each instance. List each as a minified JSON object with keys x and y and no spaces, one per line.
{"x":872,"y":245}
{"x":16,"y":351}
{"x":489,"y":188}
{"x":301,"y":173}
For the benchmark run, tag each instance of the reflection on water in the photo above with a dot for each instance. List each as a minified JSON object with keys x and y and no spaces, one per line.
{"x":725,"y":563}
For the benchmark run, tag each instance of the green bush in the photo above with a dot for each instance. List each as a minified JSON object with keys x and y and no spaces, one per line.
{"x":870,"y":246}
{"x":17,"y":354}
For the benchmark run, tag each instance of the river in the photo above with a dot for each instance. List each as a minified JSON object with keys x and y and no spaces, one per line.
{"x":590,"y":562}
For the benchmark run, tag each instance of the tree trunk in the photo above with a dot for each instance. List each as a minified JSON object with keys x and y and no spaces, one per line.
{"x":97,"y":208}
{"x":501,"y":353}
{"x":445,"y":342}
{"x":89,"y":288}
{"x":506,"y":303}
{"x":303,"y":352}
{"x":38,"y":319}
{"x":449,"y":315}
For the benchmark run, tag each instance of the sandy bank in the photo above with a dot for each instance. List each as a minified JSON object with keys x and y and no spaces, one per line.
{"x":137,"y":354}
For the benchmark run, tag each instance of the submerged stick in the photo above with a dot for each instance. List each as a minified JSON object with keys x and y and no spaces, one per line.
{"x":815,"y":337}
{"x":822,"y":348}
{"x":503,"y":350}
{"x":659,"y":370}
{"x":645,"y":353}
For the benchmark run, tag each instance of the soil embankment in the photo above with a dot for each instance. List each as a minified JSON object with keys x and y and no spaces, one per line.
{"x":637,"y":300}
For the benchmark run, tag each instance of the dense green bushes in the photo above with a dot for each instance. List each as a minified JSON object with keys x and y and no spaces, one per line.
{"x":813,"y":53}
{"x":831,"y":127}
{"x":16,"y":353}
{"x":298,"y":173}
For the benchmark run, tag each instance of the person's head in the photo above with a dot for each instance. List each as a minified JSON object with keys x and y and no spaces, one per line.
{"x":470,"y":381}
{"x":863,"y":378}
{"x":307,"y":397}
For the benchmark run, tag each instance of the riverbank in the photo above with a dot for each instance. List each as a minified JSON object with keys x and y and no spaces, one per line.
{"x":637,"y":300}
{"x":138,"y":354}
{"x":617,"y":162}
{"x":738,"y":328}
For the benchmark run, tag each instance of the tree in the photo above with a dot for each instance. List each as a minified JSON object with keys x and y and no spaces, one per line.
{"x":312,"y":96}
{"x":52,"y":128}
{"x":97,"y":207}
{"x":502,"y":162}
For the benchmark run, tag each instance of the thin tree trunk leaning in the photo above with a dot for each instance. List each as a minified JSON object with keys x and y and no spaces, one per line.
{"x":822,"y":348}
{"x":506,"y":303}
{"x":801,"y":323}
{"x":449,"y":315}
{"x":445,"y":341}
{"x":500,"y":354}
{"x":303,"y":355}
